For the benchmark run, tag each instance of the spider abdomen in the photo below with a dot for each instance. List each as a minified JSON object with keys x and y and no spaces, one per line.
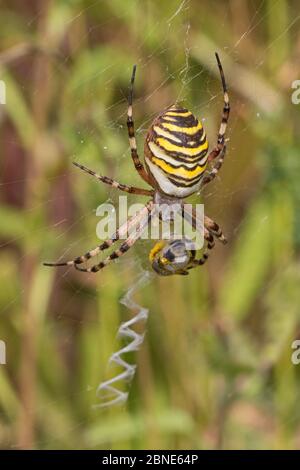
{"x":176,"y":152}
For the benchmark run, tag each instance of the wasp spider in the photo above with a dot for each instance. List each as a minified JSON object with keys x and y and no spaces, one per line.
{"x":176,"y":160}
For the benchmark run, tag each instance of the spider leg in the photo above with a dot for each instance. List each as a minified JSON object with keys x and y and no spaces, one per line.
{"x":115,"y":184}
{"x":190,"y":216}
{"x":214,"y":228}
{"x":124,"y":229}
{"x":126,"y":245}
{"x":131,"y":134}
{"x":209,"y":246}
{"x":225,"y":116}
{"x":209,"y":224}
{"x":215,"y":169}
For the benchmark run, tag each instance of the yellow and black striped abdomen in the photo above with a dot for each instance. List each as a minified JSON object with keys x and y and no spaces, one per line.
{"x":176,"y":152}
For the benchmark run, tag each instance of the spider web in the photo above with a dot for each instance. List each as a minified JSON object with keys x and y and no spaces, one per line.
{"x":191,"y":77}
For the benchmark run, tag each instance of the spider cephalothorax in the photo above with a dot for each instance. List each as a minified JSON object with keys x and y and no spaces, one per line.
{"x":176,"y":160}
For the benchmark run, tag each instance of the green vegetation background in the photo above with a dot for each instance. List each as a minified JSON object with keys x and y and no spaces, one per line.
{"x":215,"y":369}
